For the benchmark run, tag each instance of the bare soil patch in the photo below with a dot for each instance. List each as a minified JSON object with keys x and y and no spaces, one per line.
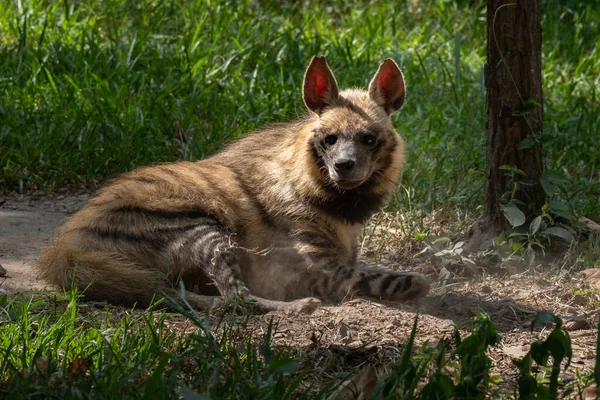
{"x":362,"y":332}
{"x":26,"y":225}
{"x":358,"y":332}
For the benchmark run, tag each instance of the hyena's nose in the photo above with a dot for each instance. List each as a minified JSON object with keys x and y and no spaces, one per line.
{"x":343,"y":165}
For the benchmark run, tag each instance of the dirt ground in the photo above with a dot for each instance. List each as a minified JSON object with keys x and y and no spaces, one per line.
{"x":370,"y":332}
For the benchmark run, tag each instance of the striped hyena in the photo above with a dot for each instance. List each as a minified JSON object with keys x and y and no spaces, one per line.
{"x":274,"y":217}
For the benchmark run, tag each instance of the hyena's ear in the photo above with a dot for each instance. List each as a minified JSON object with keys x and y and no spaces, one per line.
{"x":387,"y":87}
{"x":319,"y":88}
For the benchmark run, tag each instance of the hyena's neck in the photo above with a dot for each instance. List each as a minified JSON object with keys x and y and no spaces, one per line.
{"x":306,"y":174}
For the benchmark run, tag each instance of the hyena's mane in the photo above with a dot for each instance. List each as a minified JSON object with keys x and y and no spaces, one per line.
{"x":353,"y":206}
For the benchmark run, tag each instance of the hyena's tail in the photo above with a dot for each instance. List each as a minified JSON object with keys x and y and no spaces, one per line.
{"x":102,"y":276}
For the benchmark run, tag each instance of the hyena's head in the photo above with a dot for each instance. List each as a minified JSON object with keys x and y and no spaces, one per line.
{"x":353,"y":140}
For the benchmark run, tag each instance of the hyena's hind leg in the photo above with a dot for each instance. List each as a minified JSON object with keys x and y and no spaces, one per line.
{"x":206,"y":261}
{"x":213,"y":251}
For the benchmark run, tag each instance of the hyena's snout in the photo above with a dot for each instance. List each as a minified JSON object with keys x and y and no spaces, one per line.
{"x":343,"y":165}
{"x":348,"y":167}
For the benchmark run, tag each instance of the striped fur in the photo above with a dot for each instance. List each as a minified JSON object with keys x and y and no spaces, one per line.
{"x":275,"y":215}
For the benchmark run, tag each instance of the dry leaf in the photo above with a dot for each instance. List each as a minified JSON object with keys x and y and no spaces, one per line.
{"x":78,"y":367}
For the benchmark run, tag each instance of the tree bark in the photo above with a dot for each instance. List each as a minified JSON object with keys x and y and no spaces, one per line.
{"x":514,"y":107}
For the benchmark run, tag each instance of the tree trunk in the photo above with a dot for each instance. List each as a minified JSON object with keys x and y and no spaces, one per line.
{"x":514,"y":108}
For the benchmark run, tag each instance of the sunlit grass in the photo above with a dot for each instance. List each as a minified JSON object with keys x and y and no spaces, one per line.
{"x":92,"y":89}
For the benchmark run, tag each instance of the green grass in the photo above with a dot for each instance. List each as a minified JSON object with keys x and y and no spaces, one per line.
{"x":55,"y":348}
{"x":89,"y":90}
{"x":52,"y":347}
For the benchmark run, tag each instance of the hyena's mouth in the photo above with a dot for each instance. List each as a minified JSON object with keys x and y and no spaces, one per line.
{"x":349,"y":181}
{"x":347,"y":185}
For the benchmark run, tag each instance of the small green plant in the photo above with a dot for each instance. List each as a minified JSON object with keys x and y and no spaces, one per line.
{"x":522,"y":241}
{"x":475,"y":365}
{"x":549,"y":182}
{"x":558,"y":346}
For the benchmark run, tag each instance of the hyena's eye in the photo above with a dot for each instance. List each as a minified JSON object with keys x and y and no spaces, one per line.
{"x":369,"y":140}
{"x":330,"y":140}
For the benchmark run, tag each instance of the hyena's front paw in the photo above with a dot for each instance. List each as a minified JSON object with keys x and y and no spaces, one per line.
{"x":413,"y":286}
